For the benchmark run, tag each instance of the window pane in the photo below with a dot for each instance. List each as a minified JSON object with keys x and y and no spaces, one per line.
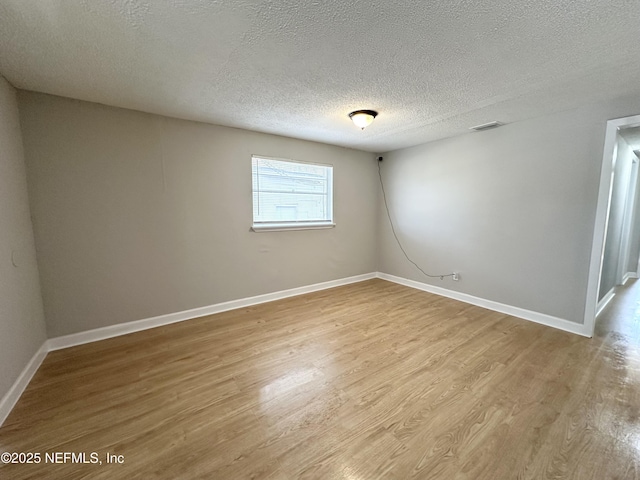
{"x":288,"y":192}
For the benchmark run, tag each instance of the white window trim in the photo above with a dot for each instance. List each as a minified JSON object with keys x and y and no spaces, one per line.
{"x":291,"y":160}
{"x":282,"y":227}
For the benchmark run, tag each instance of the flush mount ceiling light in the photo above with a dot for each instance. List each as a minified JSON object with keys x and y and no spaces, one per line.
{"x":363,"y":118}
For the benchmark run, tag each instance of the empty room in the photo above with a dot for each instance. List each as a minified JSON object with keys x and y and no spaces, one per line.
{"x":319,"y":240}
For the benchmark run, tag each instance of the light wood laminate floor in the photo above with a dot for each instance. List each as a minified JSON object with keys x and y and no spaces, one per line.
{"x":370,"y":380}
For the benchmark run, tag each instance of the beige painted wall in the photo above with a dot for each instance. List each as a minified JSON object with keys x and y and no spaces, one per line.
{"x":22,"y":328}
{"x":137,"y":215}
{"x":512,"y":209}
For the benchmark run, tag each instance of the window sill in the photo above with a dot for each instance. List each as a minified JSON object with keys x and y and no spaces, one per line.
{"x":281,"y":227}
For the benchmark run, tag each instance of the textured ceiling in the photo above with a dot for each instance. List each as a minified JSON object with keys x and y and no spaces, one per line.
{"x":297,"y":68}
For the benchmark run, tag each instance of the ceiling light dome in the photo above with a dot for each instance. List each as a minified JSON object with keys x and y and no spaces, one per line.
{"x":363,"y":118}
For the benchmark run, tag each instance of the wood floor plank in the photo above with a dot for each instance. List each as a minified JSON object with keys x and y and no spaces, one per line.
{"x":370,"y":380}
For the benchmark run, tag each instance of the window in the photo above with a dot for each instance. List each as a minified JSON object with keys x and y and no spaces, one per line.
{"x":291,"y":195}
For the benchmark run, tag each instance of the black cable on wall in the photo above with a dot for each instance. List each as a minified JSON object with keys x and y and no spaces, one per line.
{"x":386,"y":206}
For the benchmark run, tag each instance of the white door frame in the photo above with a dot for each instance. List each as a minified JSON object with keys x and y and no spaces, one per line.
{"x":602,"y":216}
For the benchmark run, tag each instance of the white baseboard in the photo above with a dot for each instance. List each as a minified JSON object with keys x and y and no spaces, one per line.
{"x":103,"y":333}
{"x":13,"y":395}
{"x":530,"y":315}
{"x":605,"y":300}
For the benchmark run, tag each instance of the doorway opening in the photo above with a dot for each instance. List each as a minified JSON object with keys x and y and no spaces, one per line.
{"x":615,"y":255}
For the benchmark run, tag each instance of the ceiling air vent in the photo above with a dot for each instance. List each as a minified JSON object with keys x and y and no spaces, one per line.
{"x":486,"y":126}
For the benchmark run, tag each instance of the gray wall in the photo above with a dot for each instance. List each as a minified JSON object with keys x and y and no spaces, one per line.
{"x":512,"y":209}
{"x":613,"y":255}
{"x":137,"y":215}
{"x":22,"y":328}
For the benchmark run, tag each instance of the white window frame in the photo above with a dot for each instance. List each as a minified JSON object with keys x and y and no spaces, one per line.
{"x":276,"y":226}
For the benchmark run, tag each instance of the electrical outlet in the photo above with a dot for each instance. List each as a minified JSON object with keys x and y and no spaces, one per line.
{"x":455,"y":277}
